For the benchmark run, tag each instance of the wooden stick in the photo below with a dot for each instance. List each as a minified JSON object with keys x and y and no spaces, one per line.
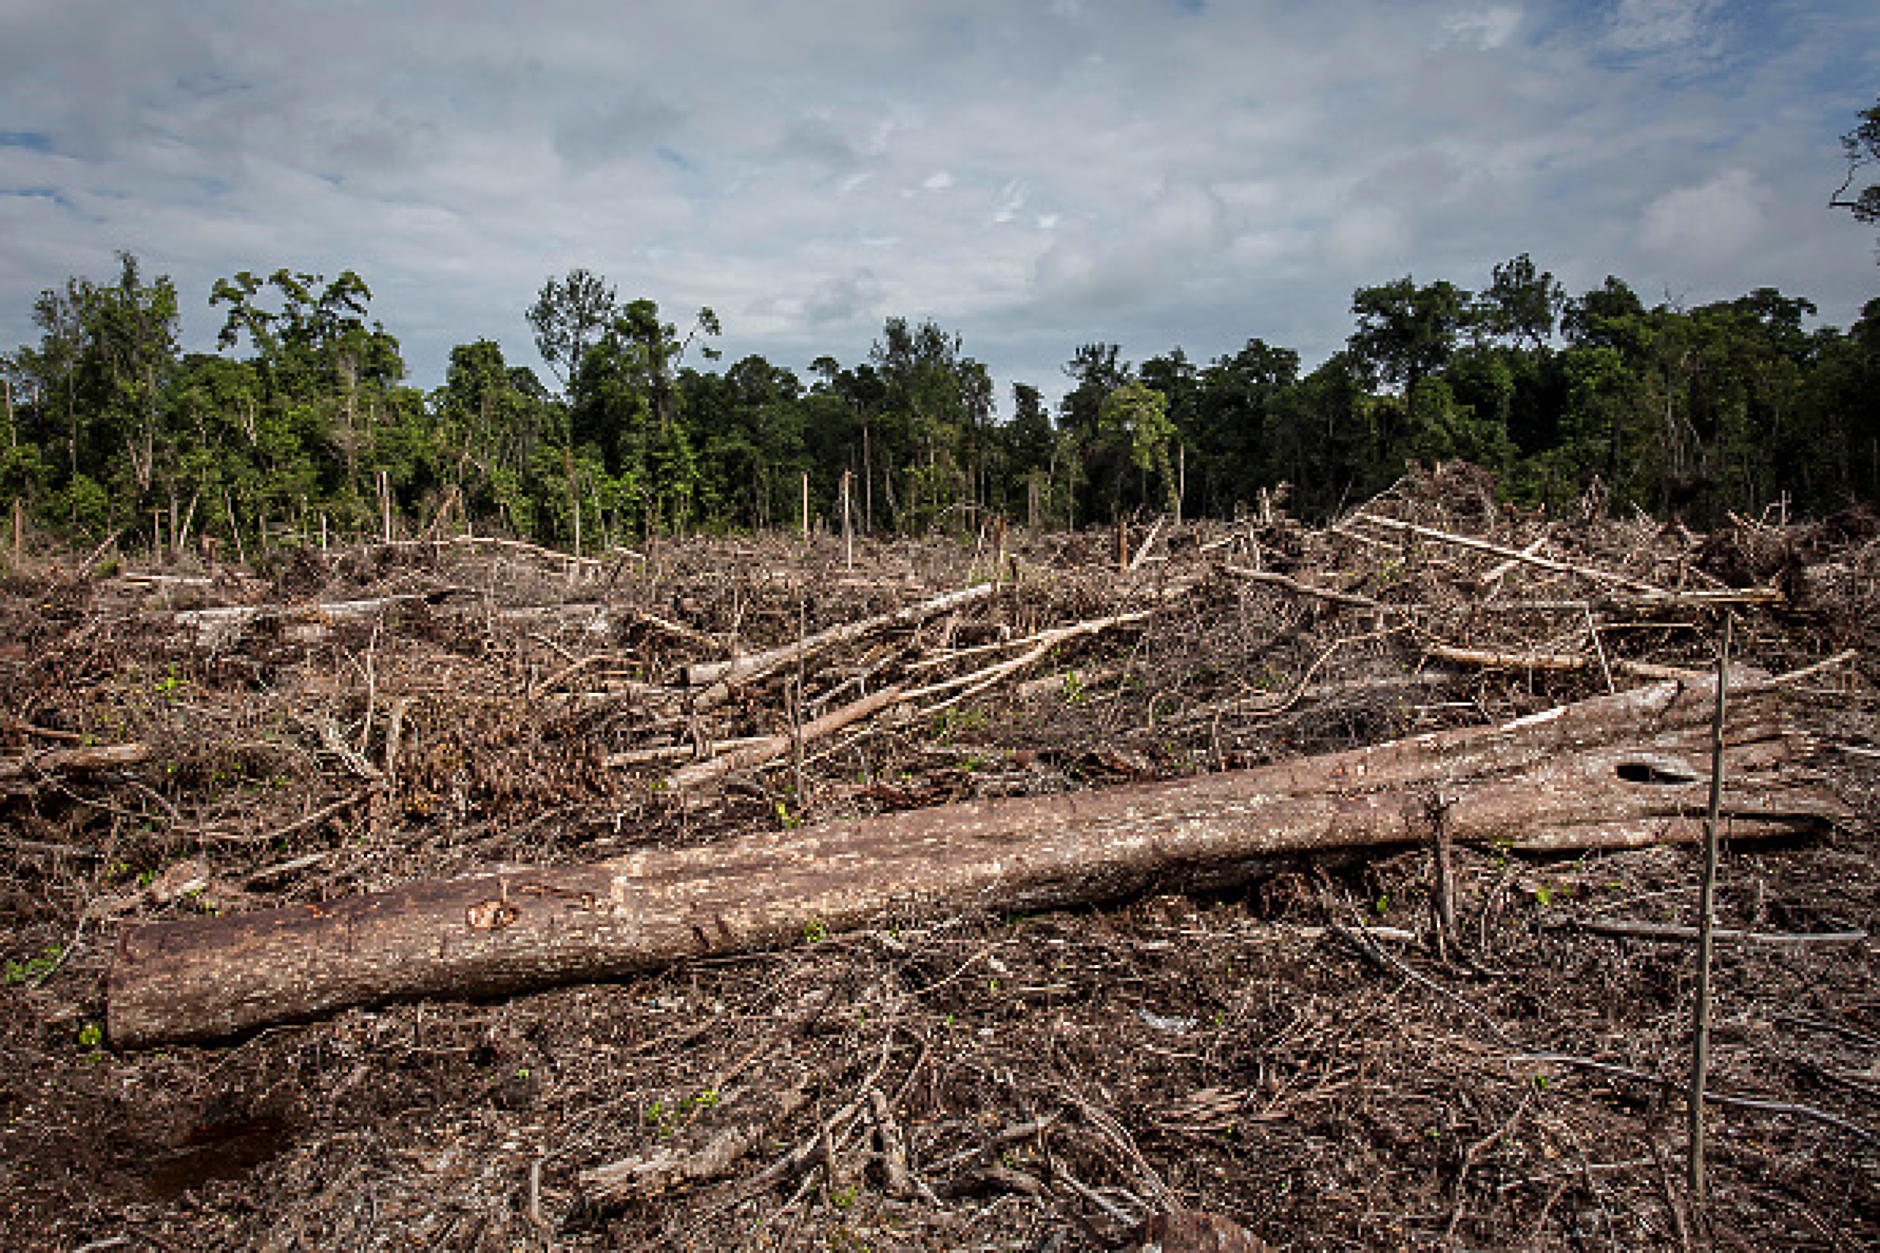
{"x":1706,"y":926}
{"x":1304,"y":589}
{"x":1671,"y":933}
{"x":772,"y":747}
{"x":74,"y":760}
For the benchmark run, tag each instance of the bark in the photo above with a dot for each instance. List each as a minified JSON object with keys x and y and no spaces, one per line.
{"x":1618,"y":771}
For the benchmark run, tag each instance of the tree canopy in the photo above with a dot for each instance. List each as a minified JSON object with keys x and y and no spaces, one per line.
{"x":305,"y":415}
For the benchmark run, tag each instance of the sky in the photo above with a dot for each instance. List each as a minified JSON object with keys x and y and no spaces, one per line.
{"x":1031,"y":174}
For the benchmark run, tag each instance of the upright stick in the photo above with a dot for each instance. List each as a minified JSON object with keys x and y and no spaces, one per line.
{"x":1706,"y":923}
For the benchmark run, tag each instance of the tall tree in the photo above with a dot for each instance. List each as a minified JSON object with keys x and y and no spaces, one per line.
{"x":570,"y":314}
{"x":1862,"y":146}
{"x":1521,"y":304}
{"x":1405,"y":331}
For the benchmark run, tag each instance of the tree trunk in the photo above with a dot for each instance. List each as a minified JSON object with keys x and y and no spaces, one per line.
{"x":1616,"y":772}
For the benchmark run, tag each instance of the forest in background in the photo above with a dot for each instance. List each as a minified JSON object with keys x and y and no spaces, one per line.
{"x":305,"y":421}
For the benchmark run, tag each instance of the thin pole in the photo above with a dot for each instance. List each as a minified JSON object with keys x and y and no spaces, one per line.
{"x":1706,"y":922}
{"x":848,"y":530}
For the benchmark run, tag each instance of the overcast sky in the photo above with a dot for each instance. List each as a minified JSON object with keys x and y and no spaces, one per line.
{"x":1033,"y":174}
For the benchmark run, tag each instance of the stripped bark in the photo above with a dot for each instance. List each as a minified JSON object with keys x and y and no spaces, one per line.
{"x":1616,"y":772}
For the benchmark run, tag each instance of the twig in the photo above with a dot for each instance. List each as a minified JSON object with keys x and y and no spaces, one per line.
{"x":1488,"y":579}
{"x":313,"y":819}
{"x":1835,"y":1028}
{"x":1809,"y":672}
{"x":1605,"y":669}
{"x":1366,"y":948}
{"x":980,"y":680}
{"x":1715,"y":1098}
{"x":336,"y":744}
{"x":74,"y":760}
{"x":1671,"y":933}
{"x":1142,"y":553}
{"x":394,"y":732}
{"x":680,"y":752}
{"x":1303,"y":589}
{"x":1706,"y":925}
{"x":1442,"y":885}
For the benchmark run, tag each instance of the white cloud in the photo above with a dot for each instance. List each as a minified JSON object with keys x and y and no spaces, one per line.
{"x":1711,"y":223}
{"x":1486,"y":29}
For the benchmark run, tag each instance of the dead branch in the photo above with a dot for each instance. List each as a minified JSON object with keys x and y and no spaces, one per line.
{"x":775,"y":746}
{"x":756,"y":665}
{"x":673,"y":1166}
{"x":1303,"y":589}
{"x":1671,"y":933}
{"x":86,"y":760}
{"x":1650,"y":590}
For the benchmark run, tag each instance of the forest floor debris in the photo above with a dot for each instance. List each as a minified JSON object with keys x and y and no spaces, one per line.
{"x":1050,"y":1080}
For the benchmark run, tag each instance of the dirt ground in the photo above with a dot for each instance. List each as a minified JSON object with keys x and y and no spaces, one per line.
{"x":1294,"y":1055}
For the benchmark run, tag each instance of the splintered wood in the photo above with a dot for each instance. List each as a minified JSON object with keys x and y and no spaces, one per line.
{"x":1617,"y":771}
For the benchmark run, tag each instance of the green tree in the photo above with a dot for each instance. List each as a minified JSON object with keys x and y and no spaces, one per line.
{"x":1134,"y":422}
{"x":1407,"y":332}
{"x":1521,"y":305}
{"x":569,"y":314}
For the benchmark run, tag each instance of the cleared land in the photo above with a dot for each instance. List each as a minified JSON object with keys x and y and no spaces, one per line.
{"x":1299,"y":1053}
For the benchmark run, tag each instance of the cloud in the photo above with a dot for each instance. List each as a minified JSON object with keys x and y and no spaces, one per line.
{"x":1032,"y":176}
{"x":1709,"y":224}
{"x":1364,"y":238}
{"x":1645,"y":26}
{"x":1486,"y":29}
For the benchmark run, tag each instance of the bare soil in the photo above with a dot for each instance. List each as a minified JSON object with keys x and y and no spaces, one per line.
{"x":977,"y":1082}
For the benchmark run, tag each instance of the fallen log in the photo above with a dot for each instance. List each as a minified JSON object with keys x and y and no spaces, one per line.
{"x":1615,"y":772}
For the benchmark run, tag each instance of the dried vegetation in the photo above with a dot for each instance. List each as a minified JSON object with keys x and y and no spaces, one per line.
{"x":1295,"y":1055}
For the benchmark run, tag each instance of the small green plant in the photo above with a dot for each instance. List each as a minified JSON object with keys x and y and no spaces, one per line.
{"x":815,"y":931}
{"x":789,"y":820}
{"x":1543,"y":895}
{"x":1383,"y":903}
{"x":1073,"y":688}
{"x":90,"y":1036}
{"x":18,"y":972}
{"x":843,"y":1198}
{"x":170,"y":682}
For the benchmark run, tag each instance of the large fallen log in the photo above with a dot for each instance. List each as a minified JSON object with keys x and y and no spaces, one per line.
{"x":1619,"y":771}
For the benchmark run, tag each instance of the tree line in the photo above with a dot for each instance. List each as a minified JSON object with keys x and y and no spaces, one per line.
{"x":305,"y":419}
